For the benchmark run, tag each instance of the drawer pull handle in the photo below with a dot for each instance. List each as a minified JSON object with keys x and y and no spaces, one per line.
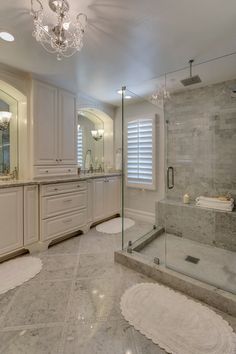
{"x":55,"y":189}
{"x":67,"y":221}
{"x":69,"y":170}
{"x":78,"y":186}
{"x":46,"y":171}
{"x":67,"y":200}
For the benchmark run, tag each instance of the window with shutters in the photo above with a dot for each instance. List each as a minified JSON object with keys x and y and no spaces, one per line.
{"x":80,"y":150}
{"x":141,"y":161}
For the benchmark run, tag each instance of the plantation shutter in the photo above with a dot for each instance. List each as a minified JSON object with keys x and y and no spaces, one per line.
{"x":140,"y":153}
{"x":80,"y":146}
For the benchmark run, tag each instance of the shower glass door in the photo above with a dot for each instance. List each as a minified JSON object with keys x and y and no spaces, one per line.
{"x":141,"y":122}
{"x":200,"y":140}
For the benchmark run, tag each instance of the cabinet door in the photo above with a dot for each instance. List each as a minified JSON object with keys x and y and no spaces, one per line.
{"x":90,"y":201}
{"x":98,"y":200}
{"x":67,"y":151}
{"x":111,"y":196}
{"x":117,"y":201}
{"x":30,"y":214}
{"x":44,"y":124}
{"x":11,"y":219}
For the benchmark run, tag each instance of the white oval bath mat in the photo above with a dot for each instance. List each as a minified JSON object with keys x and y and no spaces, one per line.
{"x":174,"y":322}
{"x":17,"y":271}
{"x":114,"y":226}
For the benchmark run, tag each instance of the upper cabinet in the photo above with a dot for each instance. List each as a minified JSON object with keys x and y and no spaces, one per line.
{"x":54,"y":130}
{"x":67,"y":128}
{"x":45,"y":123}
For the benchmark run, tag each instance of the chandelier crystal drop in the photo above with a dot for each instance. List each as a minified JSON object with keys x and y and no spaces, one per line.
{"x":161,"y":94}
{"x":64,"y":37}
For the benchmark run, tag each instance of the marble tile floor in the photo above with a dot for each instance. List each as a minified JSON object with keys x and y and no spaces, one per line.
{"x":217,"y":266}
{"x":72,"y":306}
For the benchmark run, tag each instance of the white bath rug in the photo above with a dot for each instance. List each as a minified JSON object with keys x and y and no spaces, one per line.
{"x":17,"y":271}
{"x":114,"y":226}
{"x":174,"y":322}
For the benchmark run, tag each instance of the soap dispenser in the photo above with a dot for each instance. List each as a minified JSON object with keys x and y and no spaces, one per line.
{"x":186,"y":198}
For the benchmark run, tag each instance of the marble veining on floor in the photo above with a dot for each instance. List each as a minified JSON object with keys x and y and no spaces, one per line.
{"x":72,"y":306}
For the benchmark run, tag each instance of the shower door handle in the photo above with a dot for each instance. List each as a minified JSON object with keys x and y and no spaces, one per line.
{"x":170,"y":171}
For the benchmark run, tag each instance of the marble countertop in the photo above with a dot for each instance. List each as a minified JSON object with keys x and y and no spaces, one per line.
{"x":81,"y":177}
{"x":17,"y":183}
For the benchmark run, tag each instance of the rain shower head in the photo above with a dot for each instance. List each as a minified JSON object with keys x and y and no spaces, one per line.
{"x":191,"y":80}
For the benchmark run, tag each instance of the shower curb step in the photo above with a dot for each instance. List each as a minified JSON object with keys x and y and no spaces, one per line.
{"x":215,"y":297}
{"x":139,"y":244}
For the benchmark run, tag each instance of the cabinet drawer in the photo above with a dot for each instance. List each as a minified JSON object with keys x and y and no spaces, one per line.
{"x":53,"y":171}
{"x":60,"y":226}
{"x":59,"y":188}
{"x":63,"y":203}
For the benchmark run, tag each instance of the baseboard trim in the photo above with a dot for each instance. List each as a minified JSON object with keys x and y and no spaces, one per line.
{"x":140,"y":215}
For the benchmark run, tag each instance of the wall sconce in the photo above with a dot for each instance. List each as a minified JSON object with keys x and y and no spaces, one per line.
{"x":97,"y":134}
{"x":5,"y":118}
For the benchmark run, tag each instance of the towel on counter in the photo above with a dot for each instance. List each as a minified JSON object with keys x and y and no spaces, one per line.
{"x":218,"y":203}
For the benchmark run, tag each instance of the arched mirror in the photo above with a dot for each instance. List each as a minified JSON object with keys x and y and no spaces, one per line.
{"x":8,"y":135}
{"x":90,"y":142}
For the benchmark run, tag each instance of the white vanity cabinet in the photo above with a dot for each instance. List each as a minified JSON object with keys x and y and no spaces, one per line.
{"x":63,"y":209}
{"x":30,"y":213}
{"x":98,"y":199}
{"x":68,"y":207}
{"x":106,"y":197}
{"x":112,"y":192}
{"x":31,"y":232}
{"x":54,"y":131}
{"x":18,"y":218}
{"x":11,"y":219}
{"x":90,"y":201}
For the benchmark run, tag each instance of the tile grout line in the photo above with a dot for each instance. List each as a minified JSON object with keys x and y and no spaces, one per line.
{"x":32,"y":326}
{"x":63,"y":335}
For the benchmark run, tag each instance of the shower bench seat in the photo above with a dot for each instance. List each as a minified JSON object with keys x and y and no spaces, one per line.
{"x":209,"y":226}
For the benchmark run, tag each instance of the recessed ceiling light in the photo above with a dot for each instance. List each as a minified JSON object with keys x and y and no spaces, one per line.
{"x":6,"y":36}
{"x":119,"y":92}
{"x":127,"y":97}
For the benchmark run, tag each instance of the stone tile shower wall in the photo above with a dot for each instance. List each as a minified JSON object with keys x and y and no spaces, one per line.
{"x":201,"y":141}
{"x":212,"y":227}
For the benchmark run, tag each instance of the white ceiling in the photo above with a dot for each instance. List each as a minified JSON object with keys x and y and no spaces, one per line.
{"x":127,"y":42}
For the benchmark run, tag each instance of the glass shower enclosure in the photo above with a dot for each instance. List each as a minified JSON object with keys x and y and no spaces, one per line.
{"x":140,"y":123}
{"x":193,"y":150}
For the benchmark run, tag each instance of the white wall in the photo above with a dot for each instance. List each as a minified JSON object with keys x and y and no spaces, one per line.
{"x":142,"y":202}
{"x":86,"y":101}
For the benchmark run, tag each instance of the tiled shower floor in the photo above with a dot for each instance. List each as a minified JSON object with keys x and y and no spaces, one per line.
{"x":216,"y":266}
{"x":72,"y":306}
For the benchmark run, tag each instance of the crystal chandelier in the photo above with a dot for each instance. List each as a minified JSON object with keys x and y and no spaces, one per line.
{"x":161,"y":94}
{"x":64,"y":37}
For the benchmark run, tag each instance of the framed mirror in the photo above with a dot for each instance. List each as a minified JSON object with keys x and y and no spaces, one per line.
{"x":90,"y":142}
{"x":8,"y":135}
